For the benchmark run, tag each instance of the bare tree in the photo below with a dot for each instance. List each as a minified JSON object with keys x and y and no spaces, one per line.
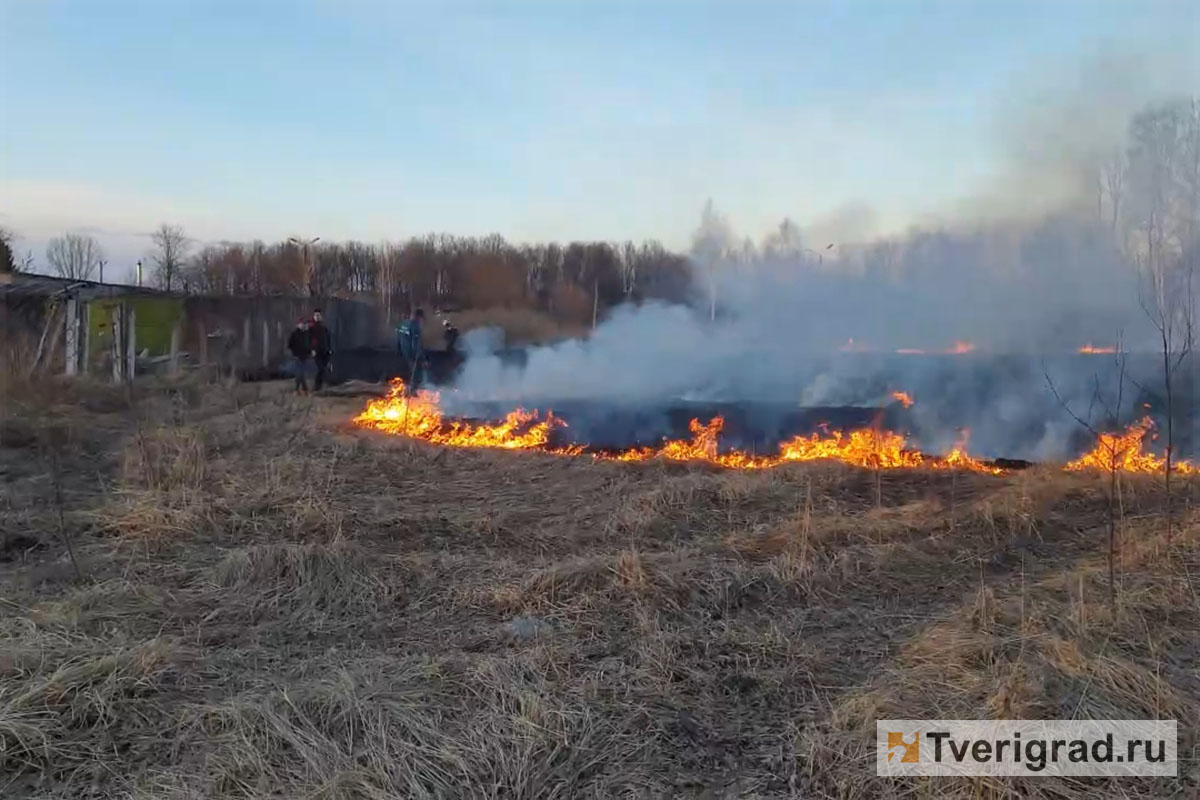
{"x":785,"y":242}
{"x":7,"y":262}
{"x":170,"y":254}
{"x":1114,"y":186}
{"x":1191,"y":190}
{"x":1113,"y":449}
{"x":74,"y":256}
{"x":1163,"y":220}
{"x":629,"y":258}
{"x":710,"y":244}
{"x":1110,"y":172}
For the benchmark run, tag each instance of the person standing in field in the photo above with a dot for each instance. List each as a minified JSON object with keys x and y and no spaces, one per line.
{"x":451,"y":335}
{"x":322,"y":347}
{"x":408,"y":342}
{"x":301,"y":347}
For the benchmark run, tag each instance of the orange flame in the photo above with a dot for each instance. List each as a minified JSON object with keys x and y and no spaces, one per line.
{"x":1123,"y":452}
{"x":1089,"y":349}
{"x":420,"y":417}
{"x":957,"y":458}
{"x":903,"y":398}
{"x":960,"y":348}
{"x":865,"y":447}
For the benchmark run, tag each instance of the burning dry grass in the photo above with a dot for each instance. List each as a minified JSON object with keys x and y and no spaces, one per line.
{"x":274,"y":604}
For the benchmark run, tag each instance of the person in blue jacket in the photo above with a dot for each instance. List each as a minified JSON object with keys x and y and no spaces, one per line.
{"x":408,"y":342}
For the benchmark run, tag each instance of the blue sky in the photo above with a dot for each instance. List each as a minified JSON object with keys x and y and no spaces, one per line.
{"x":537,"y":120}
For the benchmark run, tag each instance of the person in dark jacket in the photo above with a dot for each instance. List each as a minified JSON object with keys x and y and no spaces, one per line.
{"x":300,"y":346}
{"x":408,"y":342}
{"x":451,"y":335}
{"x":322,"y":347}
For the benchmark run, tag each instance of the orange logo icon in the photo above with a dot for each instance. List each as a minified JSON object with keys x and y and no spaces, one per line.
{"x":911,"y":750}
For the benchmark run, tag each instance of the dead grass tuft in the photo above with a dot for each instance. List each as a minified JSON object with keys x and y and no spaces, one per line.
{"x":64,"y":692}
{"x":307,"y":579}
{"x":165,"y":459}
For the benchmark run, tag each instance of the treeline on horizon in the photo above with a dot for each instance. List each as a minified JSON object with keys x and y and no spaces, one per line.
{"x":575,"y":281}
{"x":1134,"y":229}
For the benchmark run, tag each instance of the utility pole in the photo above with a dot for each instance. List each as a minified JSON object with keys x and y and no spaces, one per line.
{"x":820,"y":256}
{"x":139,"y":272}
{"x":305,"y":246}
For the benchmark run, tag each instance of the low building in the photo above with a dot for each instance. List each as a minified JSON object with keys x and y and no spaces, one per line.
{"x":72,"y":327}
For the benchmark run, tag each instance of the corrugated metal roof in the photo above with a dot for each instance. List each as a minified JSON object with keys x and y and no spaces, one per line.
{"x":23,"y":286}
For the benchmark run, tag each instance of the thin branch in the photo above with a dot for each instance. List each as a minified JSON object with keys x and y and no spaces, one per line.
{"x":1067,"y":408}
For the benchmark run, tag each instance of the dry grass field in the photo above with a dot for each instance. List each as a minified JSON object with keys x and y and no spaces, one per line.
{"x":271,"y":603}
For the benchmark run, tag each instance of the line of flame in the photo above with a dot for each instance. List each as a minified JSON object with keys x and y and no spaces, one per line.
{"x":419,"y":416}
{"x":1123,"y":451}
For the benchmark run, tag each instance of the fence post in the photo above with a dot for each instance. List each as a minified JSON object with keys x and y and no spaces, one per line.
{"x":85,"y":350}
{"x":176,"y":337}
{"x":118,"y":335}
{"x":131,"y":341}
{"x":71,"y":320}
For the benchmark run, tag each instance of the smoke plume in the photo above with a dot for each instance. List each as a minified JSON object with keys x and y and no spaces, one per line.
{"x":798,"y":320}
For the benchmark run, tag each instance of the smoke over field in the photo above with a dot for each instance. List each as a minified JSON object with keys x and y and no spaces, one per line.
{"x":982,"y":319}
{"x":660,"y":357}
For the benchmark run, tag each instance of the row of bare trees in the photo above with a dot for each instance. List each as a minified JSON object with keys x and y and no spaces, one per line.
{"x":577,"y":280}
{"x":74,"y":256}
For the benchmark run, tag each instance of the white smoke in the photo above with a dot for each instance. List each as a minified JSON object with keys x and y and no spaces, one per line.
{"x":772,"y":322}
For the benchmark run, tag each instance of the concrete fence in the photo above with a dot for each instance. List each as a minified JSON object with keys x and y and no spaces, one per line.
{"x":85,"y":327}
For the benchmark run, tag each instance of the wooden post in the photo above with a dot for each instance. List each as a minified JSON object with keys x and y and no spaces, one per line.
{"x":176,"y":336}
{"x":246,"y":338}
{"x":49,"y":329}
{"x":266,"y":343}
{"x":55,"y":335}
